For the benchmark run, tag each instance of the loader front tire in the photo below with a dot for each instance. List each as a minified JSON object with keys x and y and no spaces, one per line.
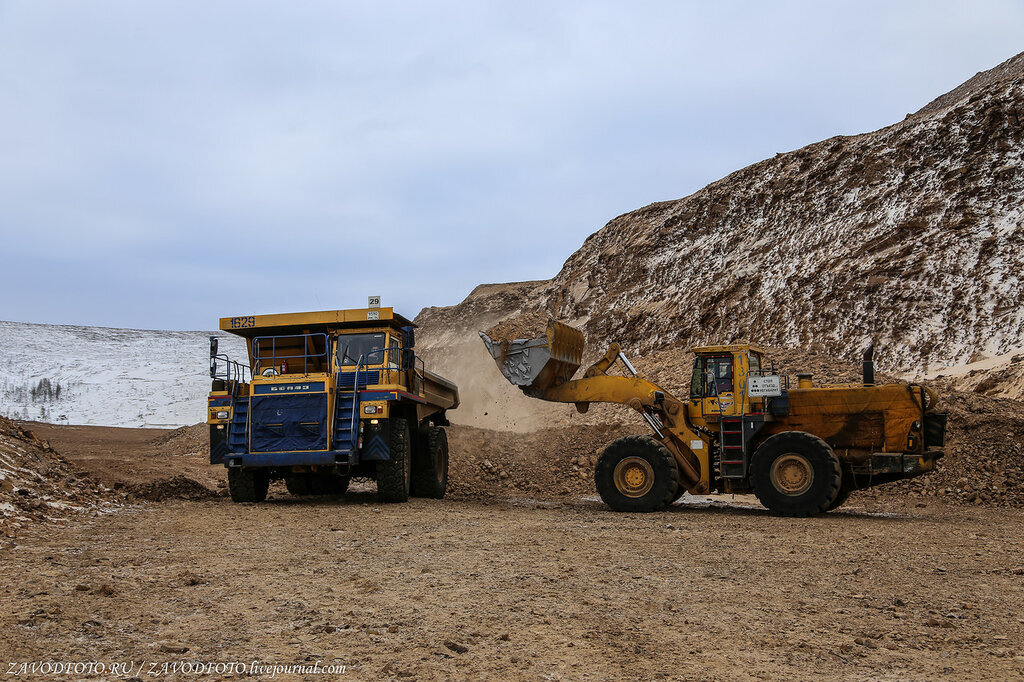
{"x":248,"y":485}
{"x":847,"y":486}
{"x":795,"y":474}
{"x":430,"y":466}
{"x":393,"y":474}
{"x":636,"y":474}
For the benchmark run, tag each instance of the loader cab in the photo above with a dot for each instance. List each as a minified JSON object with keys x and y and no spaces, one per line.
{"x":718,"y":385}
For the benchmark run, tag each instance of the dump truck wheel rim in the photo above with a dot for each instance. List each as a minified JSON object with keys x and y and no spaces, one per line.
{"x":792,"y":474}
{"x":634,"y":476}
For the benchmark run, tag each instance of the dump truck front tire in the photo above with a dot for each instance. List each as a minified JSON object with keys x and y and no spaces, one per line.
{"x":430,"y":466}
{"x":636,"y":474}
{"x":248,"y":485}
{"x":394,"y":474}
{"x":795,"y":474}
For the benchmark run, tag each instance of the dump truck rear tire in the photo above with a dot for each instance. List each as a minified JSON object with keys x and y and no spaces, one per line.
{"x":299,"y":484}
{"x":430,"y":466}
{"x":636,"y":474}
{"x":333,"y":484}
{"x":393,"y":474}
{"x":795,"y":474}
{"x":248,"y":485}
{"x":316,"y":484}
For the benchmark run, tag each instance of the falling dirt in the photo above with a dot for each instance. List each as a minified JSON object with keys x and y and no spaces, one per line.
{"x":526,"y":326}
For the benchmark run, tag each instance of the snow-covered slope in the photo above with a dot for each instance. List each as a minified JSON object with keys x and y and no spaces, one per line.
{"x":103,"y":376}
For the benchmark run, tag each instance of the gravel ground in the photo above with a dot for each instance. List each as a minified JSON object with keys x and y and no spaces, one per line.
{"x":514,"y":584}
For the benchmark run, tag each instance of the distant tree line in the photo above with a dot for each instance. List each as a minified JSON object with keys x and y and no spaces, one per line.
{"x":21,"y":398}
{"x":45,"y":390}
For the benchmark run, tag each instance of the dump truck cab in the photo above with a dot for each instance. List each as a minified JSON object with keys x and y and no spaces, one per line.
{"x":326,"y":396}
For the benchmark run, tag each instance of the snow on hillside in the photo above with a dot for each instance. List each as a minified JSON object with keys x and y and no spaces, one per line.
{"x":910,"y":237}
{"x":103,"y":376}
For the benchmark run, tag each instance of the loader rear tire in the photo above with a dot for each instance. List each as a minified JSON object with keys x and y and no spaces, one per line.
{"x":430,"y":465}
{"x":636,"y":474}
{"x":248,"y":485}
{"x":795,"y":474}
{"x":393,"y":474}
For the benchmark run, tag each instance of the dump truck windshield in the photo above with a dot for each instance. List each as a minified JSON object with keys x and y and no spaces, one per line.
{"x":353,"y":346}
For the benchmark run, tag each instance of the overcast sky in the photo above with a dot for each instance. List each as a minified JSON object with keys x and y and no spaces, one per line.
{"x":166,"y":164}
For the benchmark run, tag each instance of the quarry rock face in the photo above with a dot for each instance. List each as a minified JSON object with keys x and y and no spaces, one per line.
{"x":910,"y":235}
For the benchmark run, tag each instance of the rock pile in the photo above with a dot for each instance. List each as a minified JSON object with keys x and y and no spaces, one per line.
{"x":37,"y":485}
{"x":176,"y":487}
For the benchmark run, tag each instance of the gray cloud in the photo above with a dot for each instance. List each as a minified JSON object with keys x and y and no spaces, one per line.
{"x":164,"y":164}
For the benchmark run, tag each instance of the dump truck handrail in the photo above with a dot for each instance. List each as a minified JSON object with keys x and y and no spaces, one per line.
{"x":305,"y":356}
{"x":233,"y":374}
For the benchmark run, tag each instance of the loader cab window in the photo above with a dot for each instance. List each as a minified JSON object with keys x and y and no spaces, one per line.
{"x":697,"y":380}
{"x":353,"y":346}
{"x":754,"y":364}
{"x":712,"y":375}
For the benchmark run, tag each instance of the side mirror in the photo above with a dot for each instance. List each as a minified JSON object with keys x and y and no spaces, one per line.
{"x":213,"y":346}
{"x":408,"y":337}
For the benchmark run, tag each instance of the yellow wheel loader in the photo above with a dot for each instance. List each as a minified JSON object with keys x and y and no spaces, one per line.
{"x":801,"y":450}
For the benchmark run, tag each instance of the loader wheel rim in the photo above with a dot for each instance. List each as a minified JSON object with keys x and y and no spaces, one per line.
{"x":792,"y":474}
{"x":634,"y":476}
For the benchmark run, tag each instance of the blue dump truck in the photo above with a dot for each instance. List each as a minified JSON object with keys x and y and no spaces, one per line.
{"x":324,"y":397}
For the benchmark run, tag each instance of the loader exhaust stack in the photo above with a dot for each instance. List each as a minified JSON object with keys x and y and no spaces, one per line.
{"x":869,"y":365}
{"x":535,"y":365}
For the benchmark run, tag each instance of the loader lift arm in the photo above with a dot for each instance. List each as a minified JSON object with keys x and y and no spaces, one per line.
{"x":544,"y":371}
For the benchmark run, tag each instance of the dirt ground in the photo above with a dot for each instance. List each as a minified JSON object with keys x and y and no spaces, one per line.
{"x":510,"y":586}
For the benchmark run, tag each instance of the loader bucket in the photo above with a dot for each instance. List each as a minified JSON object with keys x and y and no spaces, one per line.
{"x":535,"y":365}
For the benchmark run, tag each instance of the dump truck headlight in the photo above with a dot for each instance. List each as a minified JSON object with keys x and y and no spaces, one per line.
{"x":223,"y":414}
{"x":371,"y":409}
{"x":916,"y":425}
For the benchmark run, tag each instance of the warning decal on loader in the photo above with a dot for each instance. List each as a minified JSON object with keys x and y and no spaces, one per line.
{"x":766,"y":386}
